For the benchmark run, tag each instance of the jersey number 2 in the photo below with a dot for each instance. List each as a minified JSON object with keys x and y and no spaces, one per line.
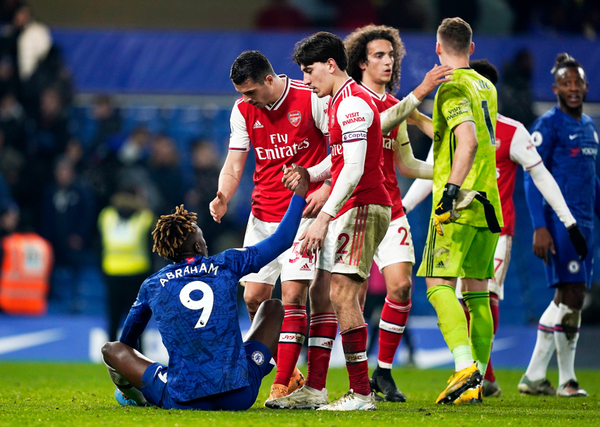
{"x":205,"y":303}
{"x":488,"y":120}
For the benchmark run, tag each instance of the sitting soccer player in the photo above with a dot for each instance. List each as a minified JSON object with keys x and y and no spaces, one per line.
{"x":194,"y":301}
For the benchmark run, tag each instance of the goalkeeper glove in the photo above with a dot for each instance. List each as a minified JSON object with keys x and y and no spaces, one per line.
{"x":578,"y":240}
{"x":445,"y":210}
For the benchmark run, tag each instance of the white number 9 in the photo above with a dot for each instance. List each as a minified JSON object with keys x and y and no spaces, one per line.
{"x":205,"y":303}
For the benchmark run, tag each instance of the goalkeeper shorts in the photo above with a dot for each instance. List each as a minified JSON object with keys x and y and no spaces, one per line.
{"x":463,"y":251}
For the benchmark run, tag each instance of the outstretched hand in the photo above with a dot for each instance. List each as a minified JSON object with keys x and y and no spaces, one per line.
{"x":218,"y":207}
{"x":434,"y":77}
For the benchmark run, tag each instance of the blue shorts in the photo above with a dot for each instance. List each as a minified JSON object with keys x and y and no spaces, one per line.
{"x":258,"y":356}
{"x":565,"y":267}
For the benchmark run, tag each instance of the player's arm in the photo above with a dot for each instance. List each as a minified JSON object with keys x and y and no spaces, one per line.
{"x":464,"y":156}
{"x":136,"y":320}
{"x":355,"y":150}
{"x":231,"y":173}
{"x":283,"y":237}
{"x":549,"y":189}
{"x":395,"y":115}
{"x":419,"y":190}
{"x":423,"y":122}
{"x":405,"y":160}
{"x":542,"y":240}
{"x":316,"y":200}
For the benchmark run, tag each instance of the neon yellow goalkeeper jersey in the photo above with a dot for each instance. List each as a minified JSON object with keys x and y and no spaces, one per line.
{"x":467,"y":97}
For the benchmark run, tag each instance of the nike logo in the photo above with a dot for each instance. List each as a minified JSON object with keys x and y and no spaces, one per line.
{"x":572,"y":137}
{"x":430,"y":358}
{"x":23,"y":341}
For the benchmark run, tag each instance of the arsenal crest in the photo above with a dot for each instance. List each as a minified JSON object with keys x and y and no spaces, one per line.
{"x":294,"y":117}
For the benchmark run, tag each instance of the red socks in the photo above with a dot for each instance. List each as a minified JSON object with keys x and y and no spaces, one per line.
{"x":391,"y":327}
{"x":354,"y":342}
{"x":323,"y":328}
{"x":291,"y":339}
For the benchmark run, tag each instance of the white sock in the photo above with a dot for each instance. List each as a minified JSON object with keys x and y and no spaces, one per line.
{"x":544,"y":345}
{"x":566,"y":335}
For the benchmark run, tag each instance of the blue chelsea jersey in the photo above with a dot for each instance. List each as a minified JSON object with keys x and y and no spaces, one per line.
{"x":569,"y":148}
{"x":195,"y":305}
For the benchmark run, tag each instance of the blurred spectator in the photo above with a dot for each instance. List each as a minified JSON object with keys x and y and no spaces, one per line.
{"x":136,"y":147}
{"x":206,"y":163}
{"x":591,"y":18}
{"x":280,"y":15}
{"x":469,"y":10}
{"x":125,"y":227}
{"x":403,"y":14}
{"x":165,"y":172}
{"x":46,"y":142}
{"x":353,"y":14}
{"x":68,"y":223}
{"x":12,"y":123}
{"x":108,"y":125}
{"x":25,"y":266}
{"x":524,"y":11}
{"x":516,"y":97}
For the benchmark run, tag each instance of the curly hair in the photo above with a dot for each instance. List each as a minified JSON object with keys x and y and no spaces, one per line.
{"x":356,"y":46}
{"x":171,"y":231}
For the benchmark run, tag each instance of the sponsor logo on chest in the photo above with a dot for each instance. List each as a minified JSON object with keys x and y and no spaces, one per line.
{"x":388,"y":143}
{"x":337,"y":150}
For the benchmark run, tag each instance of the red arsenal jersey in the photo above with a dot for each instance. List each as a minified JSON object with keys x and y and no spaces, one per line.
{"x":383,"y":102}
{"x":353,"y":116}
{"x":291,"y":130}
{"x":513,"y":147}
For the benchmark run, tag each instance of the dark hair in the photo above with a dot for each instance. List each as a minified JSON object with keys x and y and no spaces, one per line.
{"x":487,"y":70}
{"x":171,"y":231}
{"x":456,"y":34}
{"x":250,"y":64}
{"x":319,"y":48}
{"x":356,"y":46}
{"x":564,"y":60}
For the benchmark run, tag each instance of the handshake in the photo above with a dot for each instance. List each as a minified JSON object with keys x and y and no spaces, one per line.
{"x":296,"y":179}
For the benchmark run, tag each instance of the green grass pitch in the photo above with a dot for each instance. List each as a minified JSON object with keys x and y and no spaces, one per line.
{"x":60,"y":394}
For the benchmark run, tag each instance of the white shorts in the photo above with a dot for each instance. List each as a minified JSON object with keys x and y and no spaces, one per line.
{"x":501,"y":261}
{"x":352,"y":239}
{"x":396,"y":246}
{"x":290,"y":265}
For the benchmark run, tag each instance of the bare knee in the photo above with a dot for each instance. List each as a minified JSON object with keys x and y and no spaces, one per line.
{"x":399,"y":289}
{"x":272,"y":308}
{"x":255,"y":294}
{"x":110,"y":351}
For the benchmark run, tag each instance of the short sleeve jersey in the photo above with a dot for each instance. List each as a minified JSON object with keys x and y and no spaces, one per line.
{"x":194,"y":303}
{"x":467,"y":97}
{"x":291,"y":130}
{"x":569,"y":147}
{"x":391,"y":142}
{"x":514,"y":147}
{"x":354,"y":116}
